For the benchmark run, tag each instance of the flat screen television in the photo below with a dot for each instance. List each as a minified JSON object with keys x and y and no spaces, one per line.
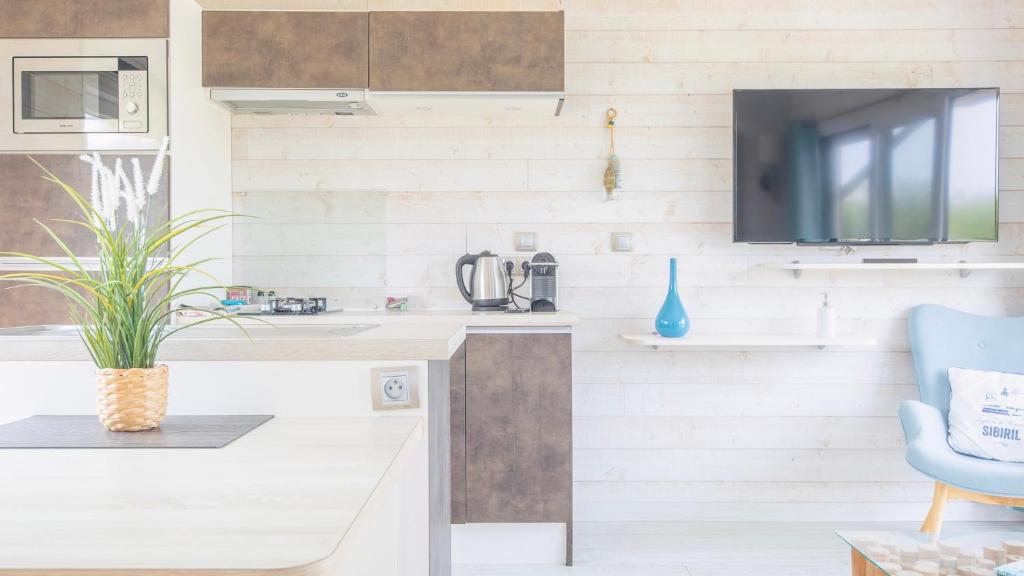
{"x":866,"y":166}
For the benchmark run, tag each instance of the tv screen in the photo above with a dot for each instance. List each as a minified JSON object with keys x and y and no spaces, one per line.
{"x":866,"y":166}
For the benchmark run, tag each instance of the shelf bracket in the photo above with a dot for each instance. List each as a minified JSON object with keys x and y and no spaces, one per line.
{"x":964,"y":272}
{"x":797,"y":273}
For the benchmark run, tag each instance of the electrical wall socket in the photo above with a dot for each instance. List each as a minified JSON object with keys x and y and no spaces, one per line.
{"x":517,"y":272}
{"x":395,"y":388}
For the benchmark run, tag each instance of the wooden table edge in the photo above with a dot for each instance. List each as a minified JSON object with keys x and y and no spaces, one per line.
{"x":318,"y":567}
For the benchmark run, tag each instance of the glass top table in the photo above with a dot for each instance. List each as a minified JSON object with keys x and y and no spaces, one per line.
{"x":882,"y":553}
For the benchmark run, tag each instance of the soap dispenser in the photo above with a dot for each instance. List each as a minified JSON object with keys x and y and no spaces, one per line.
{"x":826,"y":318}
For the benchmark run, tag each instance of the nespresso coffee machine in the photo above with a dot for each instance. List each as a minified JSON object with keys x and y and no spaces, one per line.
{"x":544,"y":289}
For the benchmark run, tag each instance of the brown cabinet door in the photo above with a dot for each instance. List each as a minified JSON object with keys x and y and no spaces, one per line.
{"x":26,"y":197}
{"x":285,"y":49}
{"x":467,"y":51}
{"x":518,"y":428}
{"x":84,"y":18}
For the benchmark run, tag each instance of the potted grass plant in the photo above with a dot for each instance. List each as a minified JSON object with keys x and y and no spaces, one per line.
{"x":123,"y":305}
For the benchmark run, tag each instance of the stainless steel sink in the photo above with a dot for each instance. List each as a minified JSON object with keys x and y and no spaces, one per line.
{"x":69,"y":330}
{"x":284,"y":331}
{"x":351,"y":329}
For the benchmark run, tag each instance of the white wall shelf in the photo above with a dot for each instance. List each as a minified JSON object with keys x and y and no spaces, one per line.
{"x":743,"y":341}
{"x":797,"y":267}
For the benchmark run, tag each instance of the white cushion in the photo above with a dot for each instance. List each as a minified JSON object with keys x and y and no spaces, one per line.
{"x":986,"y":414}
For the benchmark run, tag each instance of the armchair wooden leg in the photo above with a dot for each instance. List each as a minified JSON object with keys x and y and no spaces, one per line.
{"x":933,"y":522}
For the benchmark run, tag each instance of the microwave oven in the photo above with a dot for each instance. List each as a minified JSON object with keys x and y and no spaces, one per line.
{"x":83,"y":95}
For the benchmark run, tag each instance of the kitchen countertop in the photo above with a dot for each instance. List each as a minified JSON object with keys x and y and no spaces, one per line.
{"x":280,"y":499}
{"x":259,"y":342}
{"x":468,"y":318}
{"x":410,"y":335}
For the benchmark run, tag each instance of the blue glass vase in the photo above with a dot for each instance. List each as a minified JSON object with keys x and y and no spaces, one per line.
{"x":672,"y":320}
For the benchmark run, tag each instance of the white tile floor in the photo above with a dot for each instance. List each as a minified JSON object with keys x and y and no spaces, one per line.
{"x":713,"y":549}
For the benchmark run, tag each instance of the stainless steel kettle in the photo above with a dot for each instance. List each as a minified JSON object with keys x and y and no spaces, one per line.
{"x":488,"y":281}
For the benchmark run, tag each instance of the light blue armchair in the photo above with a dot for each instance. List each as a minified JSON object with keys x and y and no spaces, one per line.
{"x":942,"y":338}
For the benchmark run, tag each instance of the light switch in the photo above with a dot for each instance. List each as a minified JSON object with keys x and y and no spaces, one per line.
{"x":525,"y":241}
{"x":622,"y":242}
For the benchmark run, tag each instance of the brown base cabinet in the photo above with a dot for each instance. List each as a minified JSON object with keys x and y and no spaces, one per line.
{"x":511,"y":420}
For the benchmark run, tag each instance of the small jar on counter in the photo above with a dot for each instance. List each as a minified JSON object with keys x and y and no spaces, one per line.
{"x":266,"y":302}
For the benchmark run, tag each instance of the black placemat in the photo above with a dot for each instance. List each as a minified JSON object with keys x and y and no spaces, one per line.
{"x":86,"y":432}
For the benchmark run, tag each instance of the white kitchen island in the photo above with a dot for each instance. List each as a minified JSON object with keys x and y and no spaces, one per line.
{"x":294,"y":496}
{"x":303,"y":367}
{"x":277,"y":474}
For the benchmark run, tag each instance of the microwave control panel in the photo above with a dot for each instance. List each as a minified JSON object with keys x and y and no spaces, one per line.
{"x":133,"y":83}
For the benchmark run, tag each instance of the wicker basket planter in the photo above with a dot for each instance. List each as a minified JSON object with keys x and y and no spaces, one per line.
{"x":133,"y":399}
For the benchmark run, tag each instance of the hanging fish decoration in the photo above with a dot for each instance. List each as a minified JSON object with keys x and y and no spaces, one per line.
{"x":613,"y":173}
{"x":612,"y":176}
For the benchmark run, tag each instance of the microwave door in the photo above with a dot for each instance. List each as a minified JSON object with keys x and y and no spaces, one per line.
{"x":65,"y":95}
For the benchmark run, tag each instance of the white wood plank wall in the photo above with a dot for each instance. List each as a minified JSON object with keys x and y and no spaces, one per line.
{"x":360,"y":208}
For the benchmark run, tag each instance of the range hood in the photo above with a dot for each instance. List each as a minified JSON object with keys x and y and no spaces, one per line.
{"x":340,"y":102}
{"x":477,"y":104}
{"x":359,"y":102}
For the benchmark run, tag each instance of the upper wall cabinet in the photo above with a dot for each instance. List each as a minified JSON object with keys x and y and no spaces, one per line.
{"x":285,"y":49}
{"x":84,"y":19}
{"x":467,"y":51}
